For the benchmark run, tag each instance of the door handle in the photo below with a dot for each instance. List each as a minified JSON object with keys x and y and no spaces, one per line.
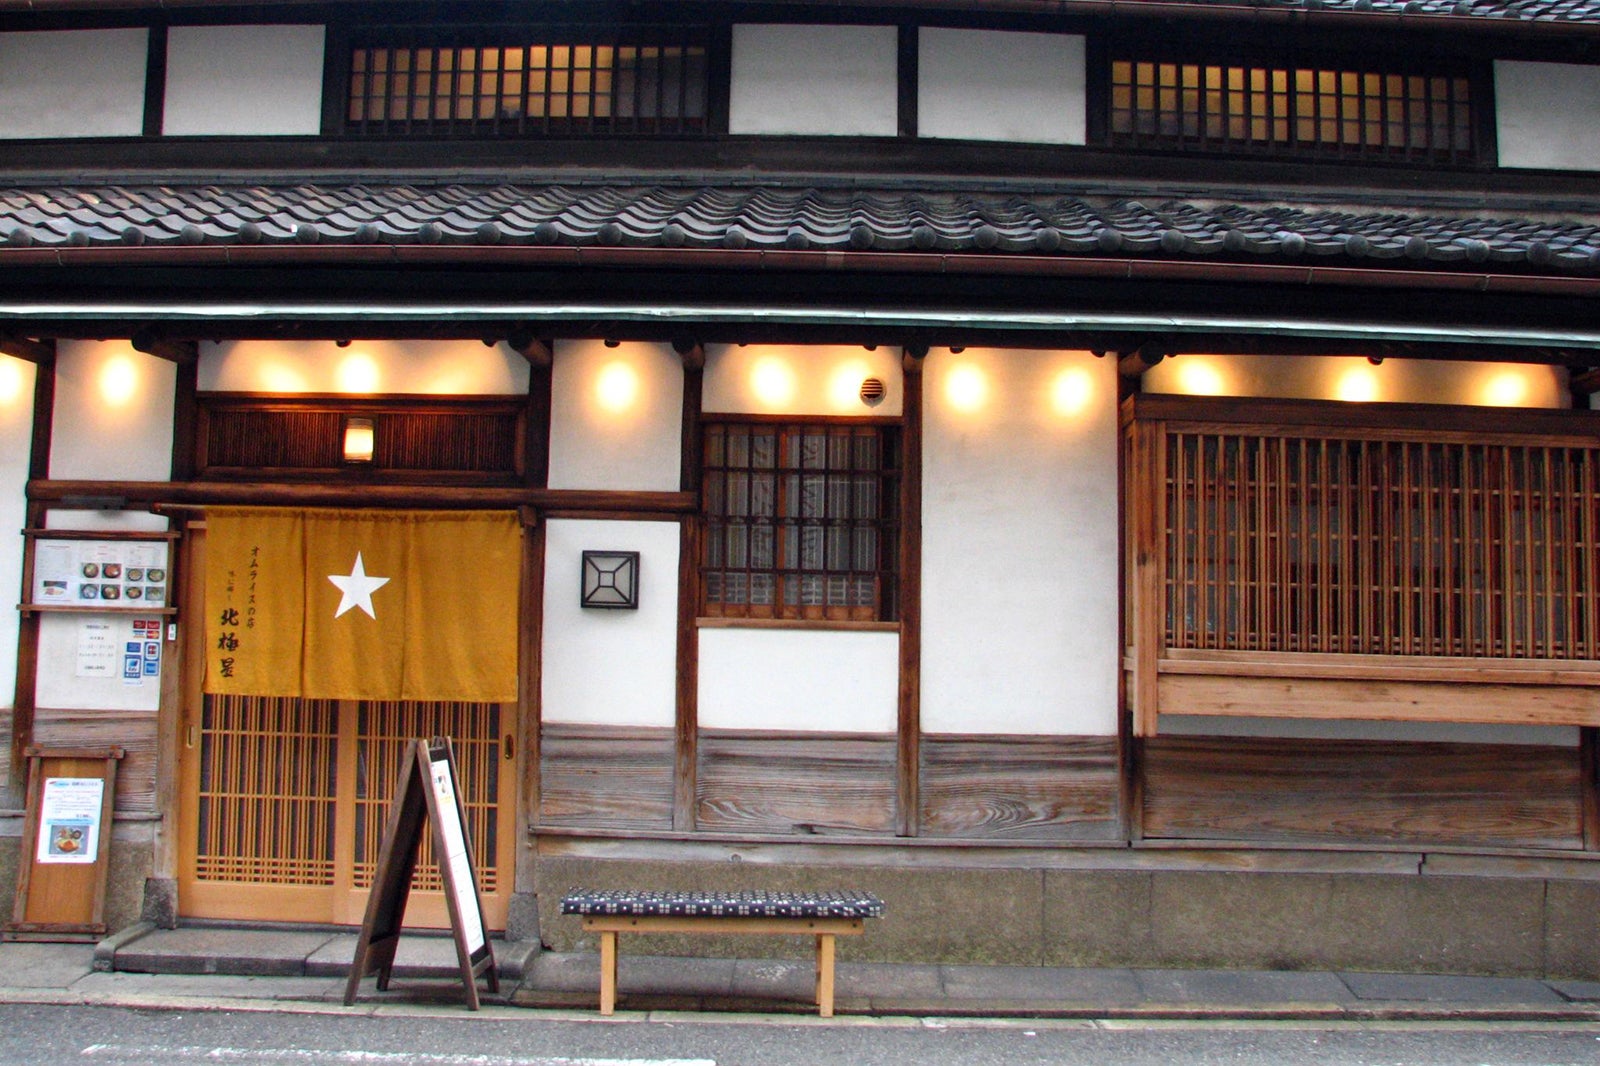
{"x":508,"y":745}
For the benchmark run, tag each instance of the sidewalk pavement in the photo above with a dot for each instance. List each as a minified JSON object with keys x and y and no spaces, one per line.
{"x":305,"y":969}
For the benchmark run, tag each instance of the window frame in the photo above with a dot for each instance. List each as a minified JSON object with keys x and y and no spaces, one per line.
{"x":1475,"y":70}
{"x":343,"y":46}
{"x":888,"y":525}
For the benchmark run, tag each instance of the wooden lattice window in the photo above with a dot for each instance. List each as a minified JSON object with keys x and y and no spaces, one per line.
{"x":1280,"y":542}
{"x":802,"y":520}
{"x":1356,"y":109}
{"x":532,"y":84}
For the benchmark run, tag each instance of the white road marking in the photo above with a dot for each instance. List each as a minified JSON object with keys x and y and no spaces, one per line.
{"x":359,"y":1058}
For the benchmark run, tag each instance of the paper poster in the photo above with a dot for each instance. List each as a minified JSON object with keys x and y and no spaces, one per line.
{"x":455,"y":846}
{"x":99,"y":648}
{"x":101,"y":573}
{"x":69,"y":819}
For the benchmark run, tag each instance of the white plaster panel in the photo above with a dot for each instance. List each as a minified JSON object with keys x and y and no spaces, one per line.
{"x":800,"y":380}
{"x":405,"y":367}
{"x":113,"y":413}
{"x":17,"y":379}
{"x":1019,"y":543}
{"x":610,"y":667}
{"x":616,"y":419}
{"x":1546,"y":115}
{"x":244,"y":80}
{"x":988,"y":85}
{"x":58,"y":684}
{"x":799,"y":680}
{"x":823,"y":80}
{"x":73,"y":83}
{"x":1353,"y":729}
{"x":1353,"y":378}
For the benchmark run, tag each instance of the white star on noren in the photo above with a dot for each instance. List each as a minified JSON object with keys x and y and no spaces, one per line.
{"x":357,"y":589}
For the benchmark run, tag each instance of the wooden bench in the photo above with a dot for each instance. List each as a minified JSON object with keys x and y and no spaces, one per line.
{"x":822,"y":915}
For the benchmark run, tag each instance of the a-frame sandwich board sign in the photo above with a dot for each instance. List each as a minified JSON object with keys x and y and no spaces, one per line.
{"x":425,"y":791}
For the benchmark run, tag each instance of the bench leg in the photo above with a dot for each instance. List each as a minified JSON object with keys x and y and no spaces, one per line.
{"x":608,"y":972}
{"x":825,"y":974}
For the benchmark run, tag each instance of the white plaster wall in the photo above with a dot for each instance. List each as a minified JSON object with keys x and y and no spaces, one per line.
{"x":988,"y":85}
{"x":443,"y":368}
{"x":72,"y":83}
{"x":616,"y":418}
{"x":113,"y":413}
{"x":800,"y":380}
{"x":840,"y":80}
{"x":244,"y":80}
{"x":610,"y":667}
{"x":17,"y":379}
{"x":1019,"y":543}
{"x":1354,"y":378}
{"x":799,"y":680}
{"x":1546,"y":115}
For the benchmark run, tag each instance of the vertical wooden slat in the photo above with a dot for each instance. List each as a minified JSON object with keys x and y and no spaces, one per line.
{"x":908,"y":758}
{"x":1148,"y":521}
{"x":690,"y":548}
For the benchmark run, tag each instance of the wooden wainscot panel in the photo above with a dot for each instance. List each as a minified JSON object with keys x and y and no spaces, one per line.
{"x":1258,"y":789}
{"x":1378,"y":699}
{"x":133,"y":731}
{"x":771,"y":782}
{"x":605,"y":777}
{"x":1019,"y":787}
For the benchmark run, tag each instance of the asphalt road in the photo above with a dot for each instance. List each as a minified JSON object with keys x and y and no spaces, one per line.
{"x":106,"y":1036}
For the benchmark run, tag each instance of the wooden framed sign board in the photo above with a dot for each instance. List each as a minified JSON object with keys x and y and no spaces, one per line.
{"x":425,"y":791}
{"x":66,"y":845}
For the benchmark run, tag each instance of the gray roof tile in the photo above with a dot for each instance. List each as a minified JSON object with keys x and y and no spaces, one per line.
{"x":841,"y":220}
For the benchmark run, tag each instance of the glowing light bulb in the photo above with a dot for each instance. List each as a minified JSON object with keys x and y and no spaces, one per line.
{"x":119,"y":380}
{"x":358,"y":373}
{"x":1199,"y":378}
{"x":616,"y":387}
{"x":1508,"y":388}
{"x":10,"y":380}
{"x":773,"y":382}
{"x":1072,"y":391}
{"x":966,"y":388}
{"x":1357,"y":385}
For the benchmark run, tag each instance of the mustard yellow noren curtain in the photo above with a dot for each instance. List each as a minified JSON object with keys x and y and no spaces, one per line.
{"x":347,"y":604}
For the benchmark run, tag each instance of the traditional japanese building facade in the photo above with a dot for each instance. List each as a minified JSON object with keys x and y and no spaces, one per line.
{"x":1114,"y":479}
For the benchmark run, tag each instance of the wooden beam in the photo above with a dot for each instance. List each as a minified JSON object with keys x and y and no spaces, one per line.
{"x":1136,"y":362}
{"x":908,"y":727}
{"x":686,"y":742}
{"x":176,"y":351}
{"x":537,"y":351}
{"x":691,"y":351}
{"x":34,"y":351}
{"x":177,"y":495}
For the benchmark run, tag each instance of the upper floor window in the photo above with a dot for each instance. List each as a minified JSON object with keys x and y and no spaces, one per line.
{"x":588,"y":83}
{"x":802,"y":520}
{"x":1355,"y":110}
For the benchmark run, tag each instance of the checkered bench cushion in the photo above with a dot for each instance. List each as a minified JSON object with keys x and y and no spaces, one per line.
{"x":725,"y":904}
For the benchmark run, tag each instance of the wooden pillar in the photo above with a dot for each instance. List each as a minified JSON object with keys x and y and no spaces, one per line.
{"x":908,"y":759}
{"x":43,"y":355}
{"x":687,"y":731}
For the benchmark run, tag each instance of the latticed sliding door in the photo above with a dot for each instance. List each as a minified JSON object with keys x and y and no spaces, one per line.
{"x":285,"y":803}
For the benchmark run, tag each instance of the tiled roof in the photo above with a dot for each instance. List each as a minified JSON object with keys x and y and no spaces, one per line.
{"x":1530,"y":10}
{"x":1542,"y":11}
{"x":462,"y":216}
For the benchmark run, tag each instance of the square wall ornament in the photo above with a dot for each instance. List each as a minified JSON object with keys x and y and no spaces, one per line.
{"x":611,"y":579}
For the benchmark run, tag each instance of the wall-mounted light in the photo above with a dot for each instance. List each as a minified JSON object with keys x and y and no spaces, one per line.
{"x":610,"y":580}
{"x":357,"y":439}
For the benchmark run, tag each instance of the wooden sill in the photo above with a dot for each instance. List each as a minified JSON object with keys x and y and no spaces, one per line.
{"x":1452,"y":670}
{"x":798,"y":623}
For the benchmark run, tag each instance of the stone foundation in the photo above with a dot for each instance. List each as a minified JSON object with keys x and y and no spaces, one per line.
{"x":1399,"y":922}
